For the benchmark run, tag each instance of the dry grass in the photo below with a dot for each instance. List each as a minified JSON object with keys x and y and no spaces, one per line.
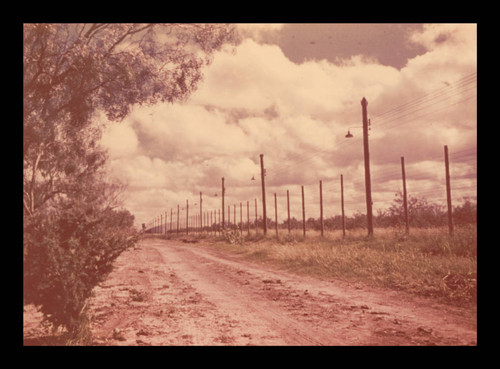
{"x":425,"y":263}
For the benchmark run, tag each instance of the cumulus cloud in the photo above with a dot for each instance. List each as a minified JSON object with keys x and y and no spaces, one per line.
{"x":257,"y":101}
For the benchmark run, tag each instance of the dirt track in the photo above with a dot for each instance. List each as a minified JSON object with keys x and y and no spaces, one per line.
{"x":174,"y":293}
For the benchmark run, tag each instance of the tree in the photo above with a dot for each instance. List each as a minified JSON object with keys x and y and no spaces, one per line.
{"x":421,"y":213}
{"x":73,"y":73}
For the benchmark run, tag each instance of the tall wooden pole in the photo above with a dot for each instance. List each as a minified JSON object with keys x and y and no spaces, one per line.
{"x":223,"y":192}
{"x":342,"y":203}
{"x":303,"y":213}
{"x":405,"y":198}
{"x":262,"y":175}
{"x":288,"y":208}
{"x":248,"y":217}
{"x":187,"y":217}
{"x":255,"y":200}
{"x":177,"y":219}
{"x":448,"y":190}
{"x":276,"y":213}
{"x":368,"y":186}
{"x":321,"y":206}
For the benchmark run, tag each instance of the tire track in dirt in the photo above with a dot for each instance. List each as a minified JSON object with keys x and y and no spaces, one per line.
{"x":170,"y":293}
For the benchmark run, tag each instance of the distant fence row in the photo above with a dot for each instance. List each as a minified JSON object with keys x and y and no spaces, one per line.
{"x":457,"y":176}
{"x":248,"y":215}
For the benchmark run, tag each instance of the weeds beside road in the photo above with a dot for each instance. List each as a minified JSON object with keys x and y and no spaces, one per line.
{"x":427,"y":262}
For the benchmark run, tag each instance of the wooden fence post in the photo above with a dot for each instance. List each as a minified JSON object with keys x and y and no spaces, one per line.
{"x":303,"y":213}
{"x":448,"y":190}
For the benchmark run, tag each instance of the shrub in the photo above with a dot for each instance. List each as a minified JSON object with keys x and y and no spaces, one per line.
{"x":67,"y":252}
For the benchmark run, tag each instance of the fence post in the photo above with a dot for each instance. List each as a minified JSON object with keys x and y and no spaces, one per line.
{"x":171,"y":216}
{"x":241,"y":220}
{"x":223,"y":192}
{"x":405,"y":198}
{"x":255,"y":215}
{"x":303,"y":213}
{"x":321,"y":205}
{"x":288,"y":208}
{"x":177,"y":219}
{"x":187,"y":217}
{"x":262,"y":175}
{"x":276,"y":213}
{"x":448,"y":190}
{"x":342,"y":203}
{"x":248,"y":218}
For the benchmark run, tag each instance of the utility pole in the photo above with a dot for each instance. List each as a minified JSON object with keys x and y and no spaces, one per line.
{"x":368,"y":186}
{"x":264,"y":216}
{"x":448,"y":190}
{"x":223,"y":192}
{"x":405,"y":198}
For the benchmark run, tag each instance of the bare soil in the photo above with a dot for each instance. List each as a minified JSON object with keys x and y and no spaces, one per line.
{"x":168,"y":292}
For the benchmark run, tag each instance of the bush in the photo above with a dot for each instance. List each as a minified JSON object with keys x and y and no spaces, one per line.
{"x":232,"y":236}
{"x":67,"y":252}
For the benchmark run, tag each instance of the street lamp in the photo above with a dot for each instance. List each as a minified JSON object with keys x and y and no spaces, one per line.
{"x":349,"y":134}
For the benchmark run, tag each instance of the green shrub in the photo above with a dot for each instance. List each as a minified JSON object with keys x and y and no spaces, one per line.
{"x":66,"y":254}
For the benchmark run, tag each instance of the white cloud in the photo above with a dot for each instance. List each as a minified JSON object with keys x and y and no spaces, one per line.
{"x":257,"y":101}
{"x":120,"y":140}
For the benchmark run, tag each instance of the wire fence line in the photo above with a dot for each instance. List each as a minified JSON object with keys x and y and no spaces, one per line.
{"x":296,"y":204}
{"x":288,"y":211}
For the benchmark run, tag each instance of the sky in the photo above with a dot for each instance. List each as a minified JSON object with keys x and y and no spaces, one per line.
{"x":291,"y":92}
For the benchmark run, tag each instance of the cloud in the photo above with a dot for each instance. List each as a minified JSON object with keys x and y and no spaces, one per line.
{"x":257,"y":101}
{"x":120,"y":140}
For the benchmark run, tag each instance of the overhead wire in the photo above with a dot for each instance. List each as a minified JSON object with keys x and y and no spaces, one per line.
{"x":404,"y":110}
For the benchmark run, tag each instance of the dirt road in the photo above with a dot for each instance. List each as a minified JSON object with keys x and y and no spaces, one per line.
{"x":174,"y":293}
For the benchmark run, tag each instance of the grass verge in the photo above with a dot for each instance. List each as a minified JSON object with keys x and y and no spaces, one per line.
{"x":427,"y":262}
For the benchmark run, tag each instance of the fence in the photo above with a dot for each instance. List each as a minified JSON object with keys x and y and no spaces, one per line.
{"x":247,"y":216}
{"x":329,"y":200}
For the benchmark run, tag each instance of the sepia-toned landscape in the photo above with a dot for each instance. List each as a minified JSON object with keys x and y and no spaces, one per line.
{"x":250,"y":184}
